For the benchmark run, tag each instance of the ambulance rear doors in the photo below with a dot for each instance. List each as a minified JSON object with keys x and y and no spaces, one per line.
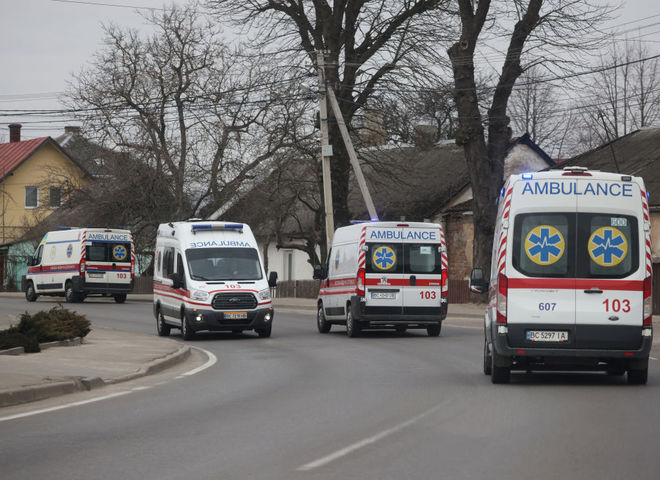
{"x":403,"y":268}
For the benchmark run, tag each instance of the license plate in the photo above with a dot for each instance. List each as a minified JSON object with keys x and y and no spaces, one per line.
{"x":547,"y":336}
{"x":95,"y":275}
{"x":235,"y":315}
{"x":383,"y":295}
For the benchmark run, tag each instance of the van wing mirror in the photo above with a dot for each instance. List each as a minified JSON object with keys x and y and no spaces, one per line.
{"x":31,"y":262}
{"x":177,"y":280}
{"x":478,"y":282}
{"x":319,"y":272}
{"x":272,"y":279}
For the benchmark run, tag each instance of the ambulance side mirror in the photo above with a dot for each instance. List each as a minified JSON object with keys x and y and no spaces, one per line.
{"x":272,"y":279}
{"x":31,"y":262}
{"x":319,"y":272}
{"x":478,"y":282}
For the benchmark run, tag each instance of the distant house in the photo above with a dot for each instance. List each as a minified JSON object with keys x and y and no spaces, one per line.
{"x":35,"y":177}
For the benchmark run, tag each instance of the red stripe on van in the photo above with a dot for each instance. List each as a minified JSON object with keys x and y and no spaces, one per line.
{"x":577,"y":284}
{"x":404,"y":282}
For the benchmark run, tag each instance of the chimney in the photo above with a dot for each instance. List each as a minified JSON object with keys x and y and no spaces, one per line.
{"x":72,"y":129}
{"x":424,"y":136}
{"x":14,"y":132}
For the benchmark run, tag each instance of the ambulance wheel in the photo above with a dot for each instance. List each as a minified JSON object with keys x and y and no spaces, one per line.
{"x":162,"y":328}
{"x":70,"y":296}
{"x":433,"y":330}
{"x":638,"y":377}
{"x":30,"y":294}
{"x":120,"y":297}
{"x":488,"y":359}
{"x":264,"y":332}
{"x":186,"y":332}
{"x":499,"y":374}
{"x":322,"y":324}
{"x":352,"y":327}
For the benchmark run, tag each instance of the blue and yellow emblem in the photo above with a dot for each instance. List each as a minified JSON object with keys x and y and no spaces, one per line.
{"x":384,"y":258}
{"x":544,"y":245}
{"x":119,"y":252}
{"x":608,"y":246}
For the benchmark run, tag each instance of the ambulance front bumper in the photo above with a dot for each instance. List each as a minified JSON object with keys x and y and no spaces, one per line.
{"x":219,"y":320}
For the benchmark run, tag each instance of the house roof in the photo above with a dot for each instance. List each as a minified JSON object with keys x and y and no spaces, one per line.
{"x":13,"y":154}
{"x":96,"y":159}
{"x":637,"y":153}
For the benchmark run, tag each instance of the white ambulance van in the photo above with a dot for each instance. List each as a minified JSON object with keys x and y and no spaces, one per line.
{"x":384,"y":275}
{"x":209,"y":275}
{"x":570,"y":283}
{"x":77,"y":262}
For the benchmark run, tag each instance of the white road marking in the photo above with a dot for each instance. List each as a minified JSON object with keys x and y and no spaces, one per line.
{"x":453,"y":325}
{"x":365,"y":442}
{"x":209,"y":363}
{"x":212,"y":359}
{"x":61,"y":407}
{"x":653,"y":358}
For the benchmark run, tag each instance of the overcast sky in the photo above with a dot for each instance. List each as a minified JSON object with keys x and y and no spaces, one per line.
{"x":42,"y":42}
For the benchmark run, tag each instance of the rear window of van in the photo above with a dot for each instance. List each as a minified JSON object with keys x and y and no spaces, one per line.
{"x":570,"y":245}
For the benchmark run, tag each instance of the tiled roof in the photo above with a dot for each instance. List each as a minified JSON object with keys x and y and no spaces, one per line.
{"x":12,"y":154}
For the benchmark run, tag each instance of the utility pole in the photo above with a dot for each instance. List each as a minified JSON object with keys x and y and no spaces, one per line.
{"x":326,"y":150}
{"x":352,"y":155}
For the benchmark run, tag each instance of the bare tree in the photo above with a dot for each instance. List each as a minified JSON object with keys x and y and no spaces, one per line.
{"x":624,"y":95}
{"x":370,"y":45}
{"x":181,"y":101}
{"x":541,"y":27}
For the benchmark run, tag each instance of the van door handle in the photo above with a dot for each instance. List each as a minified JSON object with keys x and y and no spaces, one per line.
{"x":593,"y":290}
{"x":413,"y":280}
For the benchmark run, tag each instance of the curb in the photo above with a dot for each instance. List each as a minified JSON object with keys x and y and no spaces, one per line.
{"x":41,"y":392}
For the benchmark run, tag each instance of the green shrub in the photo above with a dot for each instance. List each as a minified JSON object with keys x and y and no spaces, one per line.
{"x":53,"y":325}
{"x":12,"y":338}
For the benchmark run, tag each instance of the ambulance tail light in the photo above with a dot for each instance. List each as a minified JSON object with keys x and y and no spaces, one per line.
{"x":132,"y":267}
{"x":445,"y":279}
{"x":361,"y":281}
{"x":82,"y":266}
{"x":502,"y":289}
{"x":648,"y":302}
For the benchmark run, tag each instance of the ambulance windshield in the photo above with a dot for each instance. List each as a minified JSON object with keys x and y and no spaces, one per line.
{"x":213,"y":264}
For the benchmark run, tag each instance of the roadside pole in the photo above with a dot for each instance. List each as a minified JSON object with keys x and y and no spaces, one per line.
{"x":326,"y":150}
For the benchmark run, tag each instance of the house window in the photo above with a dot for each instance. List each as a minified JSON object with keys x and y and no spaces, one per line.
{"x":31,"y":197}
{"x":55,"y":197}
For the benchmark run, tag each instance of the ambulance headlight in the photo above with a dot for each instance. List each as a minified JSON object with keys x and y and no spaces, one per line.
{"x":264,"y":294}
{"x":199,"y":295}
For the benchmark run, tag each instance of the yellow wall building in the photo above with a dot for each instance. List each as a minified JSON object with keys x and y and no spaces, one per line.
{"x":35,"y":178}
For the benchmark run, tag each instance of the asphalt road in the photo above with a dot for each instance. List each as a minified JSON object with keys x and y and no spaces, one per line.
{"x":305,"y":405}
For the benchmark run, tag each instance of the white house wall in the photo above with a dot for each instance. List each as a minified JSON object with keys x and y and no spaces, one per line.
{"x":278,"y":261}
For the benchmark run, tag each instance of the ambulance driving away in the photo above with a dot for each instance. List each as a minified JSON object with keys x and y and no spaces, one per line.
{"x":209,"y":276}
{"x":570,"y":283}
{"x":77,"y":262}
{"x":384,"y":275}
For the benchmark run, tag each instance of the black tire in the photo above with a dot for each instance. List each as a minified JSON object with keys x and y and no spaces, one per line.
{"x":321,"y":323}
{"x":30,"y":293}
{"x":162,"y":328}
{"x":638,"y":377}
{"x":488,"y":359}
{"x":264,"y":332}
{"x":70,"y":296}
{"x":186,"y":332}
{"x":433,"y":330}
{"x":352,"y":327}
{"x":120,"y":297}
{"x":499,"y":374}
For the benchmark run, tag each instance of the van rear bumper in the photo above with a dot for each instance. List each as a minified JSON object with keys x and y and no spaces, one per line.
{"x":383,"y":316}
{"x":214,"y":320}
{"x":503,"y":348}
{"x":81,"y":286}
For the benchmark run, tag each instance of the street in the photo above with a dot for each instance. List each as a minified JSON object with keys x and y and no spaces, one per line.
{"x":306,"y":405}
